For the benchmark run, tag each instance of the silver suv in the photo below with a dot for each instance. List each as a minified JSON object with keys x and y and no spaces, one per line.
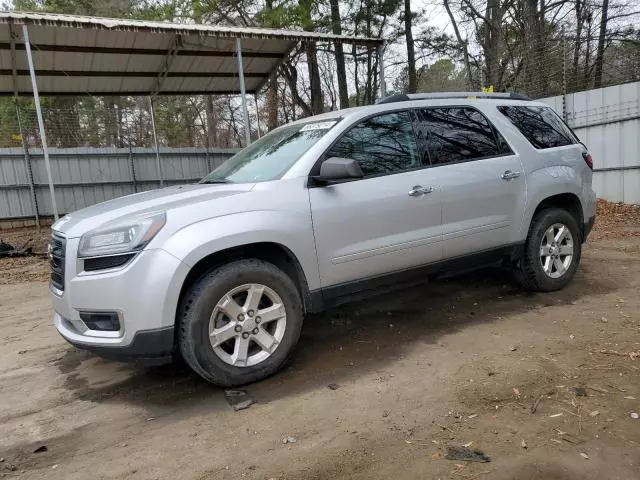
{"x":316,"y":213}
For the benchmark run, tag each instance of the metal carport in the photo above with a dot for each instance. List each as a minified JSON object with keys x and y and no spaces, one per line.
{"x":53,"y":54}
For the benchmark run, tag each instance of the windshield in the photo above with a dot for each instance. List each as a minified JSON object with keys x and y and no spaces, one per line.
{"x":271,"y":156}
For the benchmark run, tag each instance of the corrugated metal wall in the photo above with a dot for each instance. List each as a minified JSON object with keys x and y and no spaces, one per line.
{"x":85,"y":176}
{"x":607,"y":120}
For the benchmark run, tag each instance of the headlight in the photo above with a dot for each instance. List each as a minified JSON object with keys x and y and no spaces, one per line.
{"x":122,"y":236}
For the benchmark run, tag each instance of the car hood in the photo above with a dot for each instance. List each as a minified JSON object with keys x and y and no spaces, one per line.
{"x":77,"y":223}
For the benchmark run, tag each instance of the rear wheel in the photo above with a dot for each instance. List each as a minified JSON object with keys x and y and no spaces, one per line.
{"x":552,"y":251}
{"x":240,"y":322}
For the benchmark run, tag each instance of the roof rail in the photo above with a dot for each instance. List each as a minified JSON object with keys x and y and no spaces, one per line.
{"x":402,"y":97}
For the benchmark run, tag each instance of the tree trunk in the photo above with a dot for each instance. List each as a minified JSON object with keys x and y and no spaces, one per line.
{"x":291,"y":76}
{"x":411,"y":54}
{"x":111,"y":119}
{"x":272,"y":89}
{"x":341,"y":70}
{"x":317,"y":102}
{"x":493,"y":43}
{"x":272,"y":103}
{"x":576,"y":46}
{"x":534,"y":68}
{"x":368,"y":94}
{"x":463,"y":46}
{"x":597,"y":80}
{"x":212,"y":122}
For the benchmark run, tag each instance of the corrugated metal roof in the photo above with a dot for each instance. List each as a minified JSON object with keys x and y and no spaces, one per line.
{"x":102,"y":56}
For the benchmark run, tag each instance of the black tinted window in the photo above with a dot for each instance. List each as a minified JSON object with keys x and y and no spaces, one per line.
{"x":381,"y":145}
{"x":458,"y":134}
{"x":542,"y":127}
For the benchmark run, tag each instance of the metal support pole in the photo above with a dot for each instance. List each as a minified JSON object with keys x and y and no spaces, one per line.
{"x":155,"y":141}
{"x":43,"y":136}
{"x":28,"y":169}
{"x":383,"y":86}
{"x":243,"y":93}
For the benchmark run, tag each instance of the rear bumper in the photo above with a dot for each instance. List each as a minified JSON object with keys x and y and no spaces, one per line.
{"x":587,"y":227}
{"x":148,"y":347}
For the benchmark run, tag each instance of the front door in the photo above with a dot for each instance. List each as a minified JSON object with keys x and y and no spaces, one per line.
{"x":388,"y":221}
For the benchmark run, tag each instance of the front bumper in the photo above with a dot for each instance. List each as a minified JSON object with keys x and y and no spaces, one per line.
{"x":143,"y":293}
{"x":148,"y":347}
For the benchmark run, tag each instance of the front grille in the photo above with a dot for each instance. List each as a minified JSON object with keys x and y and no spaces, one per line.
{"x":57,"y":250}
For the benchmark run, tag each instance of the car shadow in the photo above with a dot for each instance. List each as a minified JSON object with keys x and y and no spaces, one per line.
{"x":340,"y":344}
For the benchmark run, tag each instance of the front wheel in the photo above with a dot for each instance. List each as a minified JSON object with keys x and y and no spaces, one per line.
{"x":240,"y":322}
{"x":552,"y":252}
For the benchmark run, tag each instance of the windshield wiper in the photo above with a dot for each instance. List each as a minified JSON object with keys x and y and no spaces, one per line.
{"x":217,"y":180}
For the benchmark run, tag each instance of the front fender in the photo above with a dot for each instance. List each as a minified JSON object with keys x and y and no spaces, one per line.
{"x":293,"y":231}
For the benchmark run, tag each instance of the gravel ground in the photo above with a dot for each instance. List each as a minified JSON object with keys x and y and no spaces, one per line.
{"x":546,"y":385}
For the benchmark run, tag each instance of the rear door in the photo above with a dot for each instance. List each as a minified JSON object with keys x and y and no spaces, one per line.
{"x":388,"y":221}
{"x":482,"y":181}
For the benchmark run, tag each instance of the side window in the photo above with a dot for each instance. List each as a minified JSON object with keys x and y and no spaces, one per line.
{"x":540,"y":125}
{"x":381,"y":145}
{"x":459,"y":134}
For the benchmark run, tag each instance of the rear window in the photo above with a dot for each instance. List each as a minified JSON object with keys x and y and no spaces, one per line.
{"x":540,"y":125}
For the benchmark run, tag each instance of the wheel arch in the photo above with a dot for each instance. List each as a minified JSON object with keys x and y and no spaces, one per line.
{"x":272,"y":252}
{"x":567,"y":201}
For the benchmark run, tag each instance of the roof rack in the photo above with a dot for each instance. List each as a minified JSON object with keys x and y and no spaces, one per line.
{"x":403,"y":97}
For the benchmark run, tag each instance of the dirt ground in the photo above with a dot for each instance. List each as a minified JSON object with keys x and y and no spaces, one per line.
{"x":452,"y":363}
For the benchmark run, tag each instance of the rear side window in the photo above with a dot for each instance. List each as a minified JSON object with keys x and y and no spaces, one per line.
{"x":381,"y":145}
{"x":540,"y":125}
{"x":457,"y":134}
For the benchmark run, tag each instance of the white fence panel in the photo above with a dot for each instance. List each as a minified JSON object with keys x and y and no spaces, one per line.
{"x":86,"y":176}
{"x":607,"y":120}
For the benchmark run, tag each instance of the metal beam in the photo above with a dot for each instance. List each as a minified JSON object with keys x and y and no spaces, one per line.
{"x":243,"y":93}
{"x":117,"y":74}
{"x":43,"y":135}
{"x":141,"y":51}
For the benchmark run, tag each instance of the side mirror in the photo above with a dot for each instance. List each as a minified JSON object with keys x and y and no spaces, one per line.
{"x":335,"y":169}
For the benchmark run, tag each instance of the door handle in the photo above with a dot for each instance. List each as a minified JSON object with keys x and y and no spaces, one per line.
{"x":509,"y":175}
{"x":419,"y":190}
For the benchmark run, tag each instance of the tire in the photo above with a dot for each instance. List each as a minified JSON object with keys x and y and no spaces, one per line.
{"x":530,"y":273}
{"x":204,"y":298}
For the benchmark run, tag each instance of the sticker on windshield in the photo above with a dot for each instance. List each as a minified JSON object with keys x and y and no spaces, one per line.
{"x":326,"y":125}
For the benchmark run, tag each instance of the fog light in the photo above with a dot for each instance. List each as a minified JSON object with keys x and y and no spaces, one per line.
{"x":104,"y":321}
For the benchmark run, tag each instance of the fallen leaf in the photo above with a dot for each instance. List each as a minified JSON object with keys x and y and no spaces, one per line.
{"x":555,"y":415}
{"x":595,"y":413}
{"x":523,"y":444}
{"x":467,"y":445}
{"x":516,"y":392}
{"x":584,"y":455}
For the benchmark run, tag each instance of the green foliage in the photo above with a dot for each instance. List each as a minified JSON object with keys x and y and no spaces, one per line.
{"x":440,"y":76}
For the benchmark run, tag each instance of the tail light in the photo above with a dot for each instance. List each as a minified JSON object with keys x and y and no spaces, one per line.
{"x":587,"y":159}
